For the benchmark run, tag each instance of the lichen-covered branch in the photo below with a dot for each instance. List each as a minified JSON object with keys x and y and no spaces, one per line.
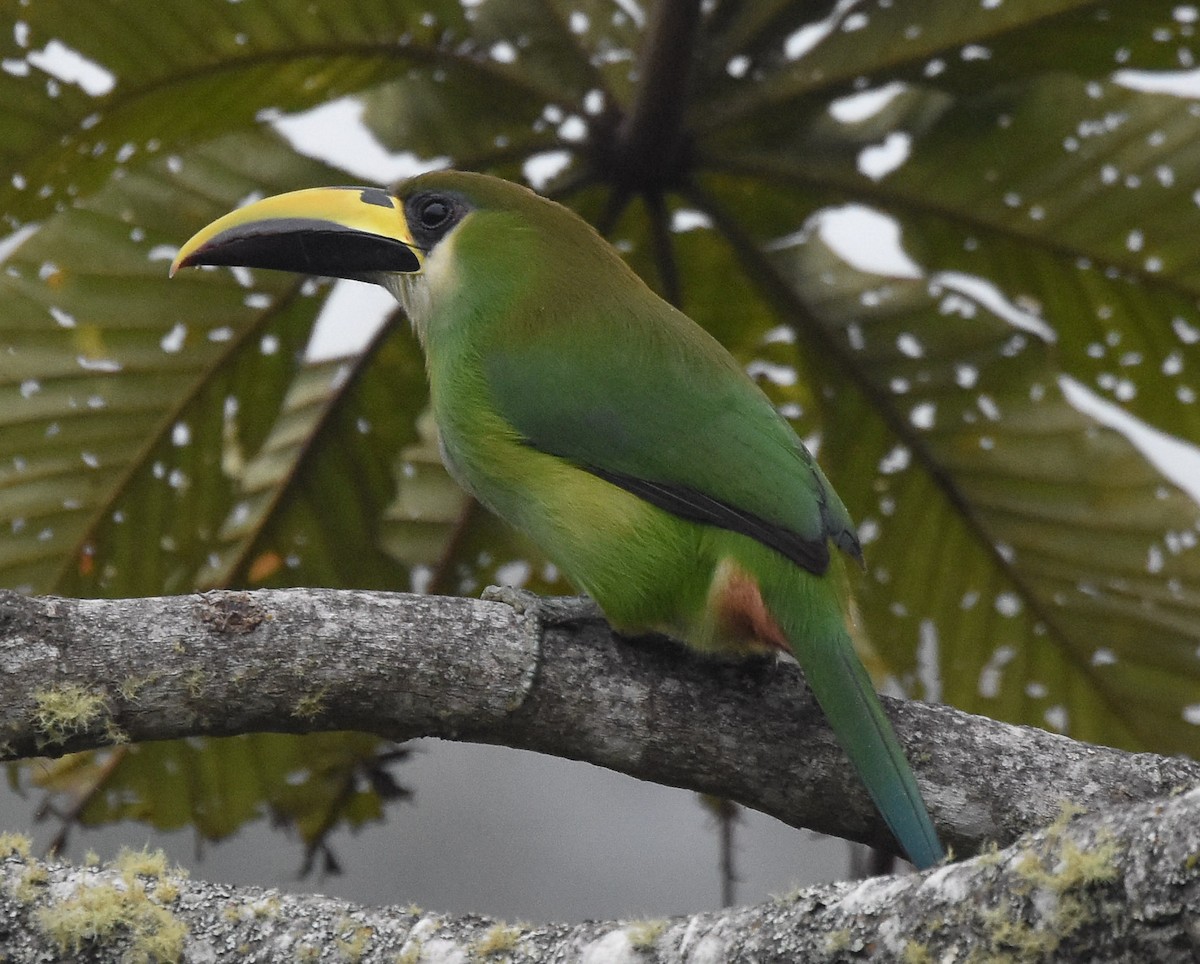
{"x":1117,"y":886}
{"x":546,"y":675}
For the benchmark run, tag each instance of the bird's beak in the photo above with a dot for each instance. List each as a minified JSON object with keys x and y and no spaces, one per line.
{"x":339,"y":232}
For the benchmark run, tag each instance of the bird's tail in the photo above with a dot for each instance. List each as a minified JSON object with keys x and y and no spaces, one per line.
{"x":847,"y":696}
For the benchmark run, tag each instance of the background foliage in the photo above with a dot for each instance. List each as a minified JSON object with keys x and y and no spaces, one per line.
{"x":998,"y":365}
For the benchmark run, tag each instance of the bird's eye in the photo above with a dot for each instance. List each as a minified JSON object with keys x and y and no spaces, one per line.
{"x":434,"y":212}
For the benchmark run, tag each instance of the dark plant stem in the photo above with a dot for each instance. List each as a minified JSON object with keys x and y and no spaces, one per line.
{"x":871,"y":862}
{"x":727,"y":814}
{"x":441,"y":581}
{"x":618,"y":200}
{"x":664,"y":252}
{"x":71,"y":819}
{"x":649,"y":143}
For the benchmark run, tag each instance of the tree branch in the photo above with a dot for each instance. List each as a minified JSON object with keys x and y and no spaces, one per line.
{"x":1113,"y":887}
{"x":538,"y":674}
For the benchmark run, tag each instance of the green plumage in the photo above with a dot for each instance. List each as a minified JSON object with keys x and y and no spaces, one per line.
{"x":610,"y":428}
{"x":553,"y":365}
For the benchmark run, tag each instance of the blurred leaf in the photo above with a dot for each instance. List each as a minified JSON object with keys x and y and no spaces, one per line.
{"x":968,"y":418}
{"x":429,"y":505}
{"x":1075,"y":611}
{"x":312,"y":497}
{"x":311,"y":784}
{"x":117,"y":397}
{"x":215,"y":68}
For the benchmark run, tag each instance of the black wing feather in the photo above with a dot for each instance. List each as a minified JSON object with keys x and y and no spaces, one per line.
{"x":695,"y":506}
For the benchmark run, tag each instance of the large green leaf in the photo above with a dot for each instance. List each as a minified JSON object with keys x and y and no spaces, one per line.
{"x":122,"y":410}
{"x":180,"y":76}
{"x":972,"y":402}
{"x":1046,"y":270}
{"x":1043,"y":533}
{"x":310,"y":501}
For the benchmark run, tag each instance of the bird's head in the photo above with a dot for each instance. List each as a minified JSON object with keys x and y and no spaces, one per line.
{"x":434,"y":234}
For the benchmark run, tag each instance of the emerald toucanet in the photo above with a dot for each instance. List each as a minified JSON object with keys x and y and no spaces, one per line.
{"x":613,"y":430}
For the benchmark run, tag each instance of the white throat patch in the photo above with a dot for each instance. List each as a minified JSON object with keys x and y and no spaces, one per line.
{"x":418,"y":293}
{"x":412,"y":291}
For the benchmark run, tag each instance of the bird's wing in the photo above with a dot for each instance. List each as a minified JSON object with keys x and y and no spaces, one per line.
{"x":658,"y":408}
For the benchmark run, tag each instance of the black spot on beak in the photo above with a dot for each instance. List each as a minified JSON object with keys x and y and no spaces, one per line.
{"x":376,"y":195}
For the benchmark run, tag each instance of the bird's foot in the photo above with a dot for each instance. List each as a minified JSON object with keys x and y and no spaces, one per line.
{"x":757,"y":670}
{"x":550,"y":610}
{"x":651,"y":641}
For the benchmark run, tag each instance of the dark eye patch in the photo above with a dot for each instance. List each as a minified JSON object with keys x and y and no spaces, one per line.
{"x":432,"y":214}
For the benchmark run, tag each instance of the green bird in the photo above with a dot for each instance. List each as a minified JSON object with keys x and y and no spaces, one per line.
{"x":608,"y":426}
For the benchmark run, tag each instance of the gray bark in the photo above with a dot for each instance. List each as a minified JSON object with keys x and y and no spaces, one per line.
{"x":538,"y":674}
{"x":1121,"y":886}
{"x":1122,"y":883}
